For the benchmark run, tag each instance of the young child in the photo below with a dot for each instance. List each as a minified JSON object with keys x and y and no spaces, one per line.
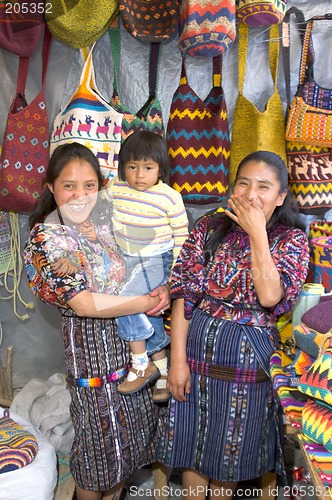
{"x":150,"y":226}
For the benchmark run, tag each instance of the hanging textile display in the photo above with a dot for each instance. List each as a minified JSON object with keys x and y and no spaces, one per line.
{"x":25,"y":149}
{"x":309,"y":134}
{"x":250,"y":126}
{"x":206,"y":28}
{"x":150,"y":20}
{"x":149,"y":117}
{"x":198,"y":141}
{"x":90,"y":120}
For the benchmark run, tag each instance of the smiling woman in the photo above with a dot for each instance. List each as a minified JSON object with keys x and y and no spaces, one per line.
{"x":73,"y":263}
{"x":237,"y":271}
{"x":75,"y":190}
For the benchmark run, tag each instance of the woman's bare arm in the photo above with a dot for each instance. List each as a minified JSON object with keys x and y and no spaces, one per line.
{"x":101,"y":305}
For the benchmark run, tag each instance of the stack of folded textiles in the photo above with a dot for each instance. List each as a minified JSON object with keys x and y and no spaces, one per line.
{"x":304,"y":386}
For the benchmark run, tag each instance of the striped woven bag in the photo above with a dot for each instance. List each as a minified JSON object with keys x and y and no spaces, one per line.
{"x":206,"y":28}
{"x":90,"y":120}
{"x":260,"y":12}
{"x":149,"y":117}
{"x":198,"y":141}
{"x":18,"y":446}
{"x":308,"y":158}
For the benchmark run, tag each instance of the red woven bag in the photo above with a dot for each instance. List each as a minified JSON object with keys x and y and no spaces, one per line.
{"x":25,"y":149}
{"x":21,"y":25}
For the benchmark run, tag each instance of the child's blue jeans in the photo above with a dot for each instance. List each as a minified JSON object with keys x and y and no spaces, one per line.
{"x":143,"y":275}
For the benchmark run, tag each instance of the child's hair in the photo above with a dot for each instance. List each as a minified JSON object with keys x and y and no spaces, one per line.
{"x":61,"y":156}
{"x":144,"y":145}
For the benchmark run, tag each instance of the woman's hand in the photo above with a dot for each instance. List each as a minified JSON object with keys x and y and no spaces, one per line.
{"x":178,"y":381}
{"x":164,"y":300}
{"x":249,"y":216}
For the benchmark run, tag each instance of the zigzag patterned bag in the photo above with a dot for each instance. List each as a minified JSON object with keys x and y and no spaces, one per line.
{"x":309,"y":152}
{"x":198,"y":142}
{"x":317,"y":381}
{"x":320,"y":228}
{"x":317,"y":423}
{"x":206,"y":28}
{"x":149,"y":117}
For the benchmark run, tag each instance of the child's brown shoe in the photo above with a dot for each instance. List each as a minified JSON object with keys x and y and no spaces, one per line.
{"x":143,"y":377}
{"x":160,"y":394}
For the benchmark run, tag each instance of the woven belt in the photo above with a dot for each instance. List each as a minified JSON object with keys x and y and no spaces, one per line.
{"x":228,"y":373}
{"x":96,"y":381}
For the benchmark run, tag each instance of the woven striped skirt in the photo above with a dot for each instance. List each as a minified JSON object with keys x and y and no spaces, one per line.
{"x":228,"y":429}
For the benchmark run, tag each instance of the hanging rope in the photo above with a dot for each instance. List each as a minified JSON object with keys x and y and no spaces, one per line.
{"x":13,"y":273}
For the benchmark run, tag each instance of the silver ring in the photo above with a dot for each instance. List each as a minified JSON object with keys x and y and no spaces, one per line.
{"x":162,"y":311}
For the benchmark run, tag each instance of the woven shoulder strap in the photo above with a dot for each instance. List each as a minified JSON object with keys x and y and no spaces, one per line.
{"x":306,"y":46}
{"x":115,"y":41}
{"x":286,"y":41}
{"x":24,"y":64}
{"x":216,"y":71}
{"x":153,"y":68}
{"x":243,"y":49}
{"x":88,"y":79}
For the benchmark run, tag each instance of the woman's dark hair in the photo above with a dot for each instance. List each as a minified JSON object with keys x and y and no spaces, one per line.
{"x":61,"y":156}
{"x":143,"y":145}
{"x":286,"y":214}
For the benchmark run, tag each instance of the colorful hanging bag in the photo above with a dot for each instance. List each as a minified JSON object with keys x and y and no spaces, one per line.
{"x":309,"y":133}
{"x":260,"y":13}
{"x":206,"y":28}
{"x":320,"y":228}
{"x":149,"y":117}
{"x":90,"y":120}
{"x":21,"y":26}
{"x":316,"y":382}
{"x":25,"y":149}
{"x":255,"y":130}
{"x":198,"y":141}
{"x":18,"y":447}
{"x":150,"y":20}
{"x":320,"y":263}
{"x":80,"y":23}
